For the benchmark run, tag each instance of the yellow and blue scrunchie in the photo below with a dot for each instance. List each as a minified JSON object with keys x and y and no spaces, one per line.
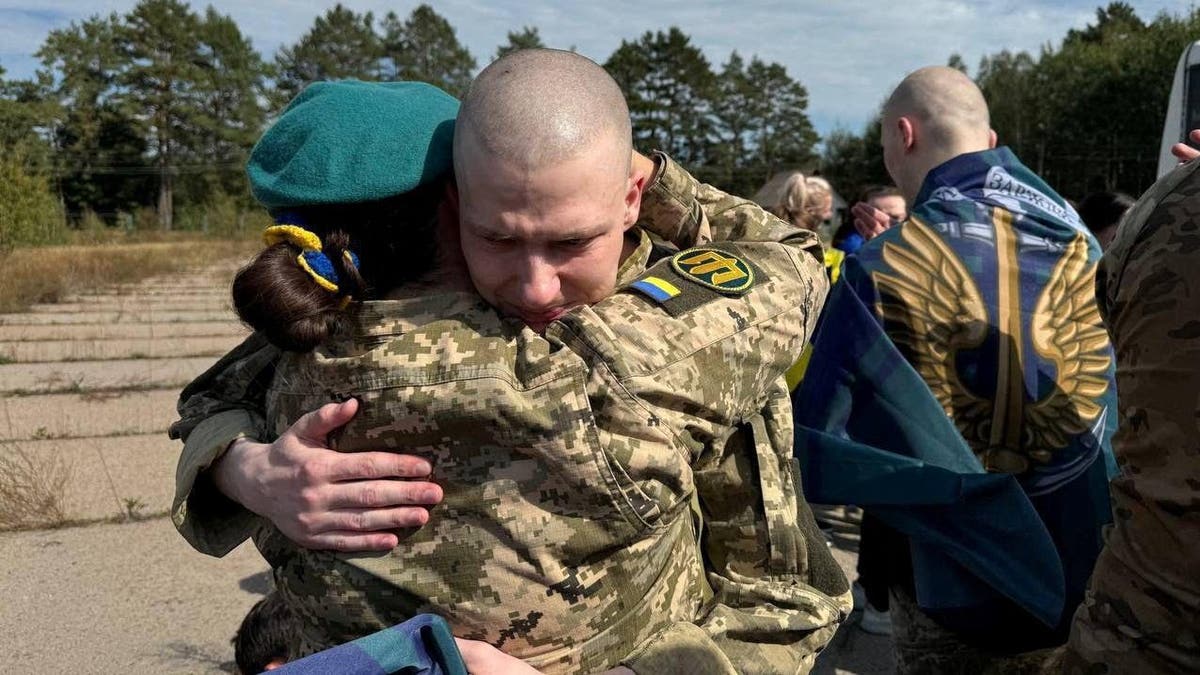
{"x":311,"y":259}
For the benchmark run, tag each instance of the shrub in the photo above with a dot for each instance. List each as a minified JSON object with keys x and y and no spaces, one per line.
{"x":29,"y":212}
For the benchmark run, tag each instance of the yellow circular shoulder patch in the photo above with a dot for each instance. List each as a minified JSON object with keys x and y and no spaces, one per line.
{"x":716,"y":269}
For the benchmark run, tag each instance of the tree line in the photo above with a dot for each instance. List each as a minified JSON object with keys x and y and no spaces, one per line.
{"x":155,"y":111}
{"x":158,"y":108}
{"x":1086,"y":114}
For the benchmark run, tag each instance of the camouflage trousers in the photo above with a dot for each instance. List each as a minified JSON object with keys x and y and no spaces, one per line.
{"x":922,"y":647}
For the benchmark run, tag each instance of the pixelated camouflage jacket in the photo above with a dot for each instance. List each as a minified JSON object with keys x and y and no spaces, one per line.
{"x":569,"y":462}
{"x":1142,"y":610}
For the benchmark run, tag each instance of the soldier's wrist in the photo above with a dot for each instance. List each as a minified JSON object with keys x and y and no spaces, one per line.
{"x":230,"y":474}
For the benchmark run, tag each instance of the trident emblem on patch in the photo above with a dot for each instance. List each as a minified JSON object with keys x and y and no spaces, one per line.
{"x":715,"y":269}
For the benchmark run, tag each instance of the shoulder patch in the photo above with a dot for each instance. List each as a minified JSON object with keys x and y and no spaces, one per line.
{"x":716,"y":269}
{"x":698,"y":276}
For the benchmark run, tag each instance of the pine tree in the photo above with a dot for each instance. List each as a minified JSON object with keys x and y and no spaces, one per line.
{"x":527,"y":38}
{"x":670,"y":87}
{"x":24,"y":113}
{"x":341,"y":44}
{"x":234,"y":89}
{"x":99,"y":144}
{"x":424,"y":48}
{"x":161,"y":40}
{"x":783,"y":136}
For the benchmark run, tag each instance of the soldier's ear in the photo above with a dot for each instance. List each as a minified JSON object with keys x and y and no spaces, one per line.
{"x":992,"y":139}
{"x":633,"y":198}
{"x":908,"y":133}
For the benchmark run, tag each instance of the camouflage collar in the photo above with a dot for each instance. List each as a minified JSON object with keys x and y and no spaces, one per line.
{"x":632,"y":267}
{"x":392,"y":317}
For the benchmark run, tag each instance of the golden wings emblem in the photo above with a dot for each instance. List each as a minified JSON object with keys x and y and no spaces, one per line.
{"x":933,"y":310}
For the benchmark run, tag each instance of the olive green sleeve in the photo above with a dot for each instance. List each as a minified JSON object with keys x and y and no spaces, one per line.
{"x":211,"y":522}
{"x":220,"y":406}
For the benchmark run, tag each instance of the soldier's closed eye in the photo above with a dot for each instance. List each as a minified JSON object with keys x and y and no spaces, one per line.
{"x":575,"y":242}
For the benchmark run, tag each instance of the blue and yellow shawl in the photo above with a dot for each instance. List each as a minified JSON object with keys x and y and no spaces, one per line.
{"x":422,"y":645}
{"x":961,"y":388}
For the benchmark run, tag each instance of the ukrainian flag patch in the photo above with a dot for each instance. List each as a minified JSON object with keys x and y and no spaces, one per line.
{"x":659,"y":290}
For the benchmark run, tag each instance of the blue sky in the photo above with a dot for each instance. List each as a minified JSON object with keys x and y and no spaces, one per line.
{"x":848,"y":53}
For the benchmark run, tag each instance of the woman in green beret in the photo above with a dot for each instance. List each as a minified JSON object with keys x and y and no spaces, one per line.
{"x":358,"y":296}
{"x":359,"y":301}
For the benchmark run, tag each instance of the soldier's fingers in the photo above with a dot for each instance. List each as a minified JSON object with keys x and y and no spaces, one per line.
{"x":374,"y":465}
{"x":352,"y":541}
{"x":362,"y":521}
{"x":370,"y":494}
{"x":315,"y":426}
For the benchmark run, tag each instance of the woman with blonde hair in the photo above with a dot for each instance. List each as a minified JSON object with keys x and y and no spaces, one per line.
{"x":804,"y":201}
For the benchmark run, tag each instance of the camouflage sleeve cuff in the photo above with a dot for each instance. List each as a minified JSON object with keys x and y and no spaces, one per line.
{"x":669,"y":204}
{"x":211,"y":522}
{"x":681,"y":648}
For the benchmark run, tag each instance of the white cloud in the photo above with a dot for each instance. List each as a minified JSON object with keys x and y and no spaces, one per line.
{"x":848,"y":53}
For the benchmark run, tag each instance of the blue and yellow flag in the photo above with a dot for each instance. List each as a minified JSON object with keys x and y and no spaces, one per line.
{"x":422,"y":645}
{"x":961,"y":389}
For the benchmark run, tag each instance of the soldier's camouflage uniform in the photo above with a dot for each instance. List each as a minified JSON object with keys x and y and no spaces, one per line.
{"x":574,"y":465}
{"x":1142,"y":611}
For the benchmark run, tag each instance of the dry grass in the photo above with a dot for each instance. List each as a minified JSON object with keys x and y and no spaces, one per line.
{"x":31,"y":490}
{"x":46,"y":274}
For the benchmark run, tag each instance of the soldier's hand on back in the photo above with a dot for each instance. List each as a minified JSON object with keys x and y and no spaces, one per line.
{"x":324,"y":499}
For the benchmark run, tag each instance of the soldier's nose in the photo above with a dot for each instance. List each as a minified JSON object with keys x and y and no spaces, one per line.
{"x":539,"y":286}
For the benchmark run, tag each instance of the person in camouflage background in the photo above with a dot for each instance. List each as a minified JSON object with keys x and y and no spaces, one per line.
{"x":1142,"y":610}
{"x":570,"y":459}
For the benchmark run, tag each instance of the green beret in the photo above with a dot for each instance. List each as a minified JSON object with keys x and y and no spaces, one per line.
{"x":350,"y":141}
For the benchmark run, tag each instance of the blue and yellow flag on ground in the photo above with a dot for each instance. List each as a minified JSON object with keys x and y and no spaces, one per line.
{"x":422,"y":645}
{"x":960,"y":389}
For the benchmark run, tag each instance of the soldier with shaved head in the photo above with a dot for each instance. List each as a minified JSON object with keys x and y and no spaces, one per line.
{"x":986,"y":291}
{"x":603,"y":404}
{"x":546,"y":185}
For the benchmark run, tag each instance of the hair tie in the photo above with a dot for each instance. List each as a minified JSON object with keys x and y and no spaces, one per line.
{"x":321,"y":269}
{"x":311,"y":259}
{"x":297,"y":236}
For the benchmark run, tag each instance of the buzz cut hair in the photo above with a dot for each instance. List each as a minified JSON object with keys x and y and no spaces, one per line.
{"x":537,"y":107}
{"x":949,"y":105}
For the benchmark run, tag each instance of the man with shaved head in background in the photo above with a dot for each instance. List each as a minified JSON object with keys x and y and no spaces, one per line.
{"x":686,"y":356}
{"x":987,"y":292}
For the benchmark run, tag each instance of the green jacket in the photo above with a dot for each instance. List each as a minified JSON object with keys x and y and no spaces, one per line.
{"x":576,"y":465}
